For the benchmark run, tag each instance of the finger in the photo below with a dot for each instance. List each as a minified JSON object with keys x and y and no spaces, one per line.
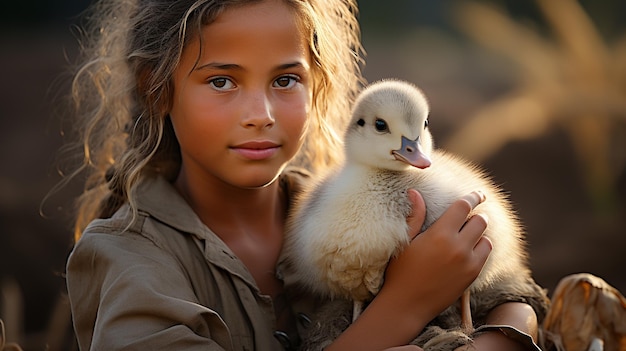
{"x":417,"y":216}
{"x":456,"y":215}
{"x":474,"y":198}
{"x":483,"y":249}
{"x":473,"y":232}
{"x":474,"y":228}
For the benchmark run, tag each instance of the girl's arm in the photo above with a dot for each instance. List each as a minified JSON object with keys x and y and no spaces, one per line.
{"x":127,"y":293}
{"x":449,"y":256}
{"x":515,"y":314}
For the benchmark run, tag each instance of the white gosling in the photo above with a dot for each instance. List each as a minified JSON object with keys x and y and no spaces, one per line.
{"x":344,"y":230}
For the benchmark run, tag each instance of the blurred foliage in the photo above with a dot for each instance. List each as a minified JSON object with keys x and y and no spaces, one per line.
{"x":571,"y":78}
{"x":398,"y":15}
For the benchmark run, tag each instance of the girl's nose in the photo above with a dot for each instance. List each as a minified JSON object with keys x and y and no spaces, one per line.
{"x":258,"y":111}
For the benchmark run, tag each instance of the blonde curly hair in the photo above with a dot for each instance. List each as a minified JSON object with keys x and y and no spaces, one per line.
{"x":122,"y":90}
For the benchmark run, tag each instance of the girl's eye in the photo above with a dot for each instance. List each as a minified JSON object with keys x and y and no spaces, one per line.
{"x":221,"y":83}
{"x":286,"y":81}
{"x":381,"y":125}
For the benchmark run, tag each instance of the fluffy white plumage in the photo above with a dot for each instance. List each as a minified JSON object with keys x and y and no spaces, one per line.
{"x":344,"y":230}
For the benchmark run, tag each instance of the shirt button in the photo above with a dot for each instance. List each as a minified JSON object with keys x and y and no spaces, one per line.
{"x":283,"y":339}
{"x":304,"y":320}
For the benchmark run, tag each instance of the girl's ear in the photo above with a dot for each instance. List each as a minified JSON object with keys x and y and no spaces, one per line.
{"x":143,"y":77}
{"x":154,"y":118}
{"x":157,"y":100}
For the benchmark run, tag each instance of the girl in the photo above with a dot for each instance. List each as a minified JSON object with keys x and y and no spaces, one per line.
{"x":191,"y":112}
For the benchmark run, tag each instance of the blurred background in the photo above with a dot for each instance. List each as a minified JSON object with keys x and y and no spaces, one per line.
{"x":534,"y":91}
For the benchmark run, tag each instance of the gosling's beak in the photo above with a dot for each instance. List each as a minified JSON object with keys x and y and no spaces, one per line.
{"x":411,"y":153}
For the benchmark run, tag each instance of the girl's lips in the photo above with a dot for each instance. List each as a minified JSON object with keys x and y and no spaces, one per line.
{"x":256,"y":150}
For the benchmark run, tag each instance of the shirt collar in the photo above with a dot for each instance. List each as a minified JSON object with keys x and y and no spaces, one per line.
{"x":158,"y":197}
{"x":161,"y":200}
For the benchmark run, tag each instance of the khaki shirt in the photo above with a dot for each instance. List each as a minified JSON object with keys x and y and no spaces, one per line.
{"x":166,"y":282}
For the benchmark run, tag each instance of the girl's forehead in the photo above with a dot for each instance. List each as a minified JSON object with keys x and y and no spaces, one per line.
{"x":257,"y":10}
{"x":256,"y":24}
{"x":268,"y":30}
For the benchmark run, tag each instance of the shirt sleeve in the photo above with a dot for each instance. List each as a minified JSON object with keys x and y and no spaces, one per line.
{"x":127,"y":293}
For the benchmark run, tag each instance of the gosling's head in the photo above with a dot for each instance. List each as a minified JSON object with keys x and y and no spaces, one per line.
{"x":389,"y":127}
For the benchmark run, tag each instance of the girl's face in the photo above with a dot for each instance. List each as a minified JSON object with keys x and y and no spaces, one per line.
{"x":240,"y":113}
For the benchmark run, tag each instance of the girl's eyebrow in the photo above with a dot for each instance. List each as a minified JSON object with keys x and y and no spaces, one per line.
{"x":232,"y":66}
{"x":289,"y":65}
{"x":217,"y":65}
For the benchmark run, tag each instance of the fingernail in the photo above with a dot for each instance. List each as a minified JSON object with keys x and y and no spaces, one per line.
{"x":481,"y":195}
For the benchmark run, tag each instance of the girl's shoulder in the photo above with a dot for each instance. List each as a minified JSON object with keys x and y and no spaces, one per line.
{"x":293,"y":181}
{"x":295,"y":178}
{"x":160,"y":220}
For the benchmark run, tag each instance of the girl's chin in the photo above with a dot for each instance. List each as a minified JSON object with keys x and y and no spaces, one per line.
{"x":259,"y":181}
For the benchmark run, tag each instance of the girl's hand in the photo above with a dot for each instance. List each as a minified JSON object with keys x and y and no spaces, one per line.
{"x":440,"y":263}
{"x":516,"y":314}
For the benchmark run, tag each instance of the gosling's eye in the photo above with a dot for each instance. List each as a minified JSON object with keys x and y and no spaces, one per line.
{"x":425,"y":124}
{"x":381,"y":125}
